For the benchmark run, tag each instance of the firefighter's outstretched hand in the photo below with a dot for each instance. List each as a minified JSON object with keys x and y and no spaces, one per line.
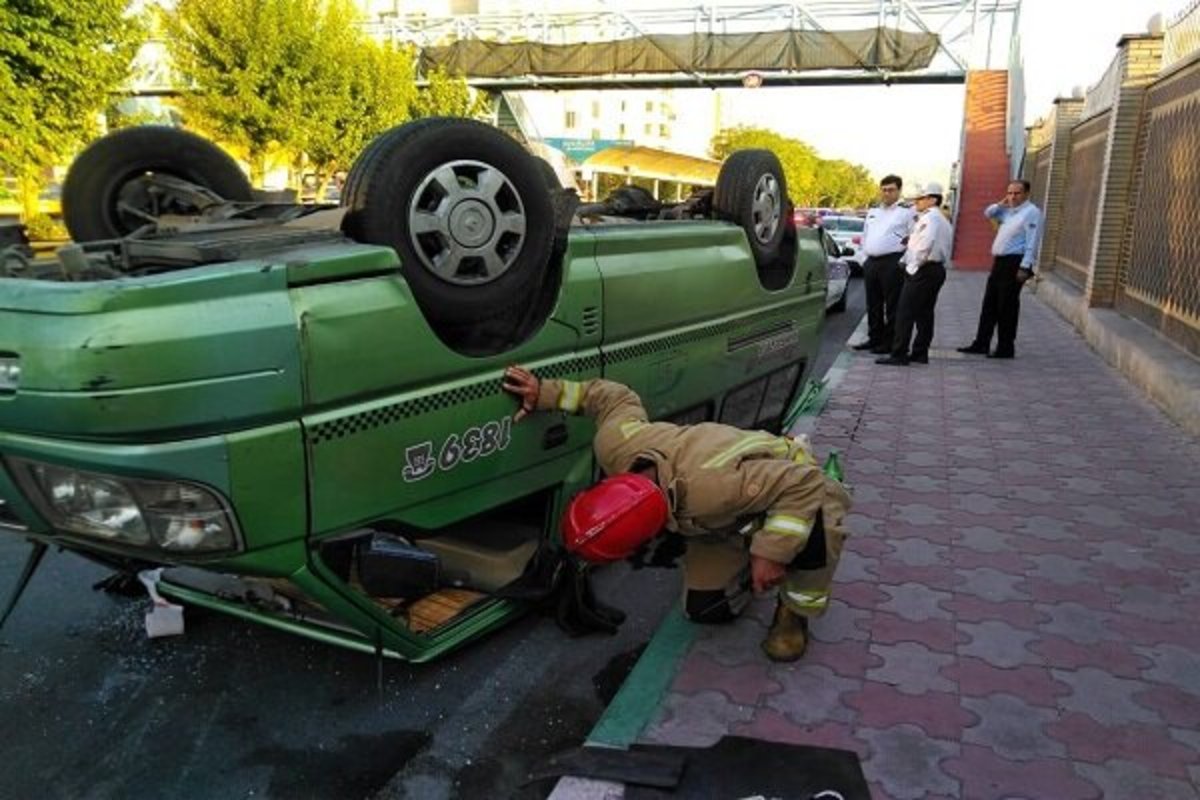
{"x":765,"y":574}
{"x":525,"y":386}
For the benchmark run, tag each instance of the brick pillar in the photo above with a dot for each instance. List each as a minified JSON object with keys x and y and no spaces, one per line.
{"x":1066,"y":114}
{"x":1139,"y":62}
{"x":984,"y":166}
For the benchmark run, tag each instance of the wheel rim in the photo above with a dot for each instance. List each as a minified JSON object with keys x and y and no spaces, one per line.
{"x":467,"y":222}
{"x":766,"y":209}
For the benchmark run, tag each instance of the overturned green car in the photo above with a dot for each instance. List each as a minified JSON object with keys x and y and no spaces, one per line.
{"x":296,"y":410}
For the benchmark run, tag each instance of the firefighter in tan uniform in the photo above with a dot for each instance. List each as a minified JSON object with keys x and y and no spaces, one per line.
{"x":712,"y":483}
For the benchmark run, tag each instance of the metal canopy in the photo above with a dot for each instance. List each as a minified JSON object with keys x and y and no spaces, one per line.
{"x":963,"y":33}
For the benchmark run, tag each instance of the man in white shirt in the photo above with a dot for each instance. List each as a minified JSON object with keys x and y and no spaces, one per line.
{"x":925,"y":271}
{"x":1014,"y":256}
{"x":885,"y":232}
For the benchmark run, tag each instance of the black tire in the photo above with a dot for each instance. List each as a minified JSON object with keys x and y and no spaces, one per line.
{"x":107,"y":166}
{"x":752,"y":191}
{"x":470,"y":268}
{"x":371,"y":153}
{"x":548,"y":174}
{"x":840,"y":305}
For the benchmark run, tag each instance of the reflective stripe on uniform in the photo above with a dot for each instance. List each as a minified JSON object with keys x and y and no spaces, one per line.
{"x":787,"y":525}
{"x":630,"y":428}
{"x":569,"y":397}
{"x":807,"y":601}
{"x":803,"y":457}
{"x":753,"y":440}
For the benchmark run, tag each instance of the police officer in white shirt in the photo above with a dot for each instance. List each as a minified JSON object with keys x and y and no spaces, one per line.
{"x":925,"y":271}
{"x":884,"y":235}
{"x":1014,"y":255}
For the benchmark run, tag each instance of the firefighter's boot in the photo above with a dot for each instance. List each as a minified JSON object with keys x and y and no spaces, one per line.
{"x":788,"y":635}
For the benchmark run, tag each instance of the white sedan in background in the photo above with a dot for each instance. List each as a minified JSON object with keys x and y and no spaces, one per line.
{"x":837,"y":274}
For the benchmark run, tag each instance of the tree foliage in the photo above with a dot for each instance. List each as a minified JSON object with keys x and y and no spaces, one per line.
{"x":59,"y":62}
{"x":811,"y":180}
{"x":298,"y":77}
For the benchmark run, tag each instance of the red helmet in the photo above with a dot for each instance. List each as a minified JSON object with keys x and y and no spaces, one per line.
{"x":609,"y":521}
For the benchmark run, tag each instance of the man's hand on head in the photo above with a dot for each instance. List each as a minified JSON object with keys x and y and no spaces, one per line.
{"x":525,"y":386}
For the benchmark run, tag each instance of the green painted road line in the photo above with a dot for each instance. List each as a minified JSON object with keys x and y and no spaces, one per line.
{"x":641,"y":693}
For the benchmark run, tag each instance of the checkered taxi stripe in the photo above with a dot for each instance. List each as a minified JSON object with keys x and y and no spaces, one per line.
{"x":351,"y":424}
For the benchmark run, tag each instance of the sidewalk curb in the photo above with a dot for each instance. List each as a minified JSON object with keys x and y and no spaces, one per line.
{"x":639,"y":696}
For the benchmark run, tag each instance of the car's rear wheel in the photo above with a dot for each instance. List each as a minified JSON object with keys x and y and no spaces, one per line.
{"x":109,"y":191}
{"x":467,"y":210}
{"x":751,"y":190}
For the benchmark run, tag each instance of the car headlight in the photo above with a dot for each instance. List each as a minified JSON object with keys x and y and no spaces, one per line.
{"x":170,"y":515}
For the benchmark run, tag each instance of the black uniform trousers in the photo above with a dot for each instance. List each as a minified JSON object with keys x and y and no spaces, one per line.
{"x":1001,"y":306}
{"x":917,"y":301}
{"x":883,"y":279}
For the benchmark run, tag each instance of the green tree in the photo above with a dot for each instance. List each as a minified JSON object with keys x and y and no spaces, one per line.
{"x":298,"y":78}
{"x":59,"y":62}
{"x":250,"y":67}
{"x":812,"y":180}
{"x":798,"y":159}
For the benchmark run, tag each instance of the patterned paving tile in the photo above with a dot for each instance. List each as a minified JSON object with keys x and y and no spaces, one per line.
{"x":911,"y":667}
{"x":1115,"y":657}
{"x":939,"y":635}
{"x":848,"y":658}
{"x":772,"y":726}
{"x":986,"y":775}
{"x":1173,"y":705}
{"x":907,"y":764}
{"x":745,"y":684}
{"x":1150,"y":745}
{"x":812,"y":694}
{"x":1119,"y":778}
{"x":1035,"y":684}
{"x":991,"y":584}
{"x":841,"y":623}
{"x":915,"y":602}
{"x":968,"y":608}
{"x":697,"y":720}
{"x":940,"y":714}
{"x":1105,"y":697}
{"x":1079,"y":623}
{"x":997,"y":643}
{"x":1012,"y":727}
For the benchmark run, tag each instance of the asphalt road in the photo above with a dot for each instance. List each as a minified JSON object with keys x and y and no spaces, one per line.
{"x":93,"y":709}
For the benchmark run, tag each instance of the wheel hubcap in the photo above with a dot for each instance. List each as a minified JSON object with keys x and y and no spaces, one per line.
{"x":767,"y":208}
{"x":467,"y":222}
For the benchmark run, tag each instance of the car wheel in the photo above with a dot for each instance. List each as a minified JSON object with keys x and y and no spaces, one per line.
{"x":466,"y":209}
{"x":839,"y":306}
{"x":752,"y":191}
{"x":106,"y":196}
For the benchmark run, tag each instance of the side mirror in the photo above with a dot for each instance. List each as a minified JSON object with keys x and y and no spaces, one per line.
{"x":847,"y":251}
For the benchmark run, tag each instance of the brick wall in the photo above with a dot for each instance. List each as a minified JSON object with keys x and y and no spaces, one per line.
{"x":984,"y":169}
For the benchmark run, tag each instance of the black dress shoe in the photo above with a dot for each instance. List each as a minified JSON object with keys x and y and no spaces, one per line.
{"x":918,"y":359}
{"x":881,"y":350}
{"x":893,"y":360}
{"x":865,"y":346}
{"x":1001,"y":354}
{"x":974,"y":349}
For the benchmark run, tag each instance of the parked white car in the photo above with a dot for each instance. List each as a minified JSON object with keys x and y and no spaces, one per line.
{"x":847,"y":232}
{"x":837,"y":274}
